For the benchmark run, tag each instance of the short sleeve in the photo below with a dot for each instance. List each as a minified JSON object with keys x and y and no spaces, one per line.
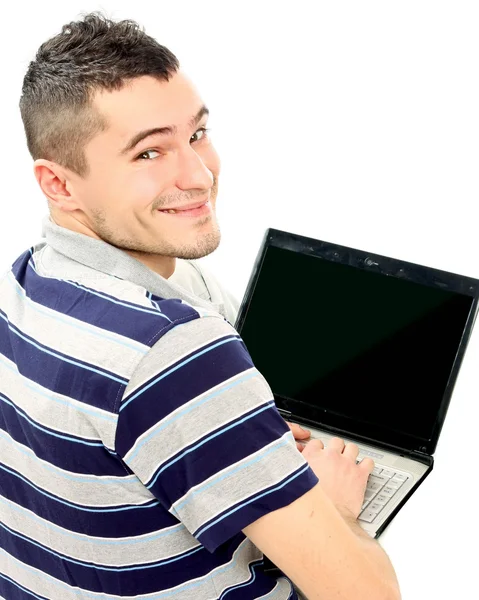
{"x":198,"y":425}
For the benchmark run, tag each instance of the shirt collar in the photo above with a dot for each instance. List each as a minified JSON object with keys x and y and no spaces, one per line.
{"x":104,"y":257}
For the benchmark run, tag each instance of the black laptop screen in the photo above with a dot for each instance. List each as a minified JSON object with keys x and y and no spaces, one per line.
{"x":359,"y":346}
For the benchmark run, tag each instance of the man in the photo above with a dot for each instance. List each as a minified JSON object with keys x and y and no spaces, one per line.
{"x":142,"y":455}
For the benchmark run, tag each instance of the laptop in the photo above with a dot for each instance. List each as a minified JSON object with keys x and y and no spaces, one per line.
{"x":360,"y":346}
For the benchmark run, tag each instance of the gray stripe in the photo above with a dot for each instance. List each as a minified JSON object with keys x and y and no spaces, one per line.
{"x":87,"y":343}
{"x":175,"y":345}
{"x":282,"y":591}
{"x":60,"y":413}
{"x":207,"y":587}
{"x":115,"y":552}
{"x":216,"y":408}
{"x":245,"y":554}
{"x":85,"y":490}
{"x":263,"y":469}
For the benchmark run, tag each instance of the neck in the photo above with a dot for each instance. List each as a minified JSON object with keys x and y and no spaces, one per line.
{"x":163,"y":265}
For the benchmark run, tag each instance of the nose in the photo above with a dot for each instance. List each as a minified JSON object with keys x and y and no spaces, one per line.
{"x":192,"y":171}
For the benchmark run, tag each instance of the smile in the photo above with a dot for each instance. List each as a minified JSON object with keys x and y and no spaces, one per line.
{"x":204,"y":209}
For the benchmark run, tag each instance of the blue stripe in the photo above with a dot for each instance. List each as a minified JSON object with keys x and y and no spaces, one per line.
{"x":95,"y":524}
{"x":209,"y":438}
{"x":77,"y":506}
{"x":20,"y":587}
{"x":159,"y":595}
{"x":253,"y":499}
{"x":69,"y":322}
{"x":20,"y":413}
{"x":120,"y":303}
{"x":37,"y":390}
{"x":105,"y":296}
{"x":240,"y":467}
{"x":83,"y":537}
{"x":182,"y":364}
{"x":100,"y":312}
{"x":252,"y":566}
{"x":97,"y":566}
{"x":129,"y":479}
{"x":191,"y":406}
{"x":14,"y":329}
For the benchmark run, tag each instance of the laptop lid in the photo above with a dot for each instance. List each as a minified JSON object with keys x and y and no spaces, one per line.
{"x":357,"y":342}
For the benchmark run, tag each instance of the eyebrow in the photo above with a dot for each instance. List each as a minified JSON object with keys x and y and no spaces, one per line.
{"x":168,"y":130}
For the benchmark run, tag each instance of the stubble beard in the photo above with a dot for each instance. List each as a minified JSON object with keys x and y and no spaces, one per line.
{"x":204,"y":244}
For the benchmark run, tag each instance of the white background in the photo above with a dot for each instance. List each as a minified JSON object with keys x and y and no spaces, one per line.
{"x":352,"y":122}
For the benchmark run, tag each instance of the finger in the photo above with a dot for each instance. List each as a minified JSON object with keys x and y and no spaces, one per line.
{"x":314,"y":444}
{"x":298,"y":431}
{"x":367,"y":464}
{"x":300,"y":447}
{"x":351,"y":451}
{"x":336,"y":444}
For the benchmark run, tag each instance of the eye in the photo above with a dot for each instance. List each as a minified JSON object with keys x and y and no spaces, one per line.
{"x":204,"y":131}
{"x":140,"y":156}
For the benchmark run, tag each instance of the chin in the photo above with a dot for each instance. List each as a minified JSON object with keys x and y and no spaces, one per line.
{"x":203,"y":246}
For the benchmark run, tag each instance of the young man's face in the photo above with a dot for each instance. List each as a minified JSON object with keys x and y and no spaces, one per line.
{"x":121,"y":197}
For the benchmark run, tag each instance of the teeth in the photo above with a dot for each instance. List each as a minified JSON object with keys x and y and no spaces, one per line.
{"x":172,"y":211}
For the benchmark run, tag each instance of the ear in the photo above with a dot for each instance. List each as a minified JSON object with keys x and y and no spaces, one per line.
{"x":56,"y":183}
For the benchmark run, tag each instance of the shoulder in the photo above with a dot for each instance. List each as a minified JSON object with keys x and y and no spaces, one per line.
{"x":191,"y":345}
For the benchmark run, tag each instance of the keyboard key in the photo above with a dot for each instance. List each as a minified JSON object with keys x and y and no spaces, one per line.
{"x":378,"y":479}
{"x":388,"y":491}
{"x":395,"y":483}
{"x":369,"y":494}
{"x":388,"y":473}
{"x":374,"y":486}
{"x":365,"y":503}
{"x":367,"y":516}
{"x":400,"y":476}
{"x":377,"y":471}
{"x":375,"y":507}
{"x":382,"y":499}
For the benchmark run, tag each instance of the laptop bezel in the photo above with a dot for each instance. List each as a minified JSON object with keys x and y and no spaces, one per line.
{"x":453,"y":282}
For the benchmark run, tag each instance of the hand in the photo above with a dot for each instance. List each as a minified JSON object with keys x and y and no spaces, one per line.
{"x":340,"y":477}
{"x":299,"y":434}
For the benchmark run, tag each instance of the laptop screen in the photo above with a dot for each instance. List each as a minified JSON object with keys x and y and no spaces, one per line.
{"x":355,"y":349}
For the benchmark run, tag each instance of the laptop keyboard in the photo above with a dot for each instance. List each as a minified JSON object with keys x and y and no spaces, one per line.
{"x":383,"y":485}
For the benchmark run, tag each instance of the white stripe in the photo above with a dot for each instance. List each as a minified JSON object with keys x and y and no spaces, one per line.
{"x":180,"y":342}
{"x":116,"y":552}
{"x":56,"y":411}
{"x":195,"y":420}
{"x":84,"y":490}
{"x":201,"y":588}
{"x":72,"y":337}
{"x":248,"y":477}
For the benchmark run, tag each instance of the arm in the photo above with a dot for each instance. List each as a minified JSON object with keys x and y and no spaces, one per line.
{"x":317,"y":540}
{"x":327,"y":555}
{"x":198,"y":426}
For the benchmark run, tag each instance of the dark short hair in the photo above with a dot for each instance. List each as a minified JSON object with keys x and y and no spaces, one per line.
{"x":88,"y":55}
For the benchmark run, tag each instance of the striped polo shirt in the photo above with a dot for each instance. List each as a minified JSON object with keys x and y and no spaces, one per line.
{"x":137,"y":439}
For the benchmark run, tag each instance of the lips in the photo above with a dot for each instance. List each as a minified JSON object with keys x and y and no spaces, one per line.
{"x":184,"y":208}
{"x":193,"y":210}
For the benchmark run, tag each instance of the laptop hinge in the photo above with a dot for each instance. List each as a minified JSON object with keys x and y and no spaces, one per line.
{"x":421,"y":456}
